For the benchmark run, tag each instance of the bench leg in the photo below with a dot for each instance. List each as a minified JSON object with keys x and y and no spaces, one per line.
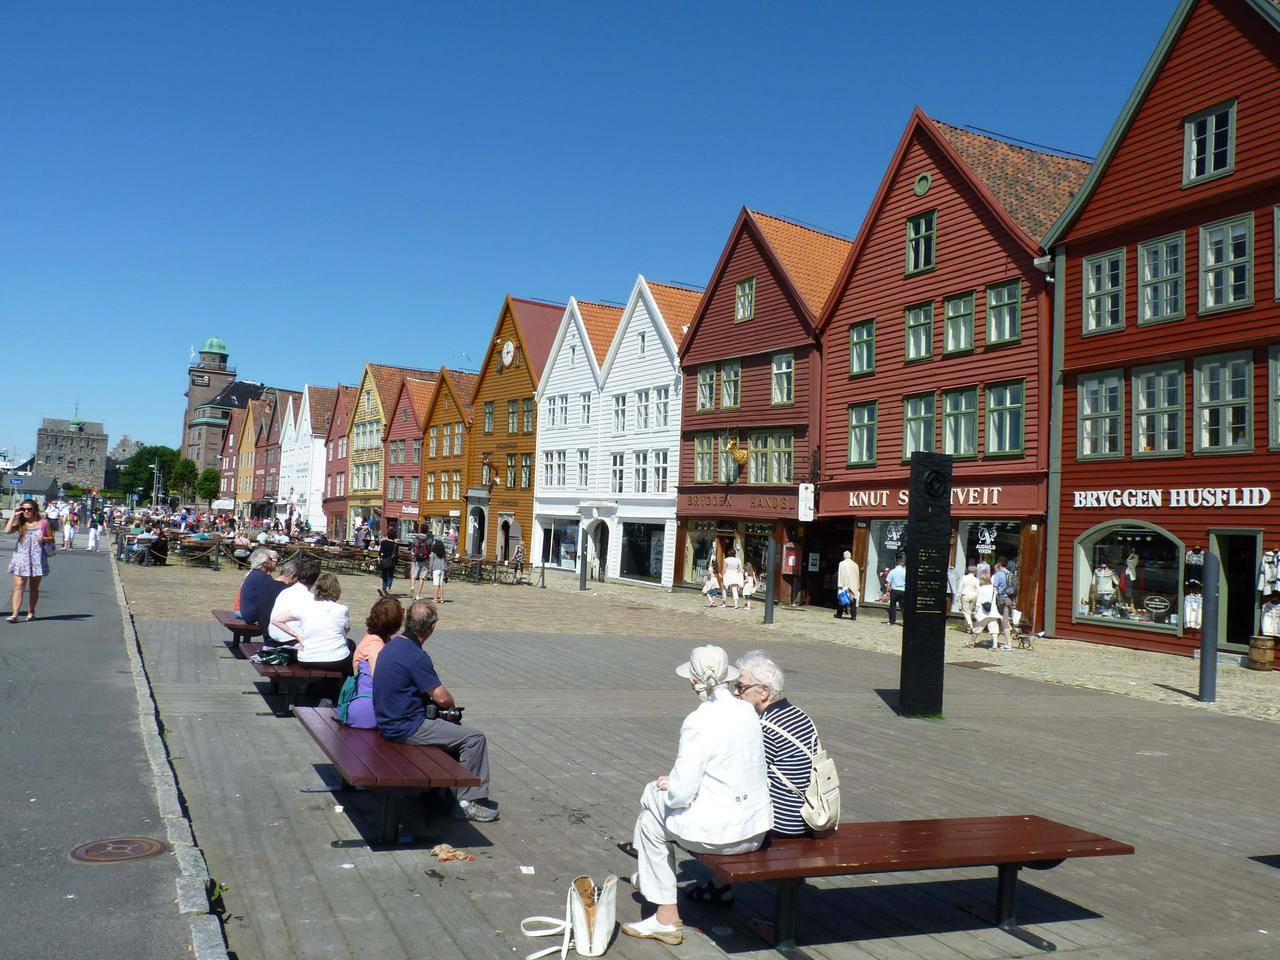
{"x":389,"y":828}
{"x":1007,"y":908}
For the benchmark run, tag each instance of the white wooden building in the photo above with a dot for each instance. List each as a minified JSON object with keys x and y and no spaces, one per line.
{"x":302,"y":462}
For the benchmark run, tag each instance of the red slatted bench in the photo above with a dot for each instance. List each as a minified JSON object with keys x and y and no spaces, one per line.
{"x":240,"y":631}
{"x":289,"y":677}
{"x":363,"y":759}
{"x":1007,"y":843}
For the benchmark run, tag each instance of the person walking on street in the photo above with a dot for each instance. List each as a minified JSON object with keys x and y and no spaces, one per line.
{"x":30,"y":559}
{"x":95,"y":530}
{"x":896,"y":581}
{"x":847,"y":576}
{"x":969,"y":595}
{"x":388,"y":549}
{"x":731,"y":577}
{"x":439,"y":564}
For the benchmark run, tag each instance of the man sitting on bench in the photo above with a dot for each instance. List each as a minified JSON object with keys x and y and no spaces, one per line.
{"x":405,"y":685}
{"x":715,"y":800}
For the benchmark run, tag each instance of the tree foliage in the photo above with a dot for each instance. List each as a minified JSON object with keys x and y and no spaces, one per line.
{"x":208,"y":485}
{"x":136,"y":471}
{"x":183,"y":479}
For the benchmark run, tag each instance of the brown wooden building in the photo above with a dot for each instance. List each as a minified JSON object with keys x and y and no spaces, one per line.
{"x":503,"y":430}
{"x":444,"y":455}
{"x":750,"y":405}
{"x":336,"y":463}
{"x":937,"y":339}
{"x":1169,"y":347}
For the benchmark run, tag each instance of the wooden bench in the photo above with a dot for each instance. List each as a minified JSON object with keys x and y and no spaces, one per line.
{"x":289,"y":677}
{"x":240,"y":631}
{"x":1007,"y":843}
{"x":363,"y":759}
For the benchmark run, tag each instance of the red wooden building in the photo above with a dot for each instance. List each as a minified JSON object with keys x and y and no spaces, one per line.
{"x":402,"y":456}
{"x":227,"y":458}
{"x":1169,"y":346}
{"x":335,"y":465}
{"x":937,"y":339}
{"x":750,"y":410}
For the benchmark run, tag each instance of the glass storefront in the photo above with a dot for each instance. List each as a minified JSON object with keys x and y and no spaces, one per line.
{"x":980,"y":542}
{"x":887,"y":539}
{"x":756,"y":546}
{"x":642,"y":547}
{"x":559,"y":543}
{"x":700,"y":550}
{"x":1128,"y":573}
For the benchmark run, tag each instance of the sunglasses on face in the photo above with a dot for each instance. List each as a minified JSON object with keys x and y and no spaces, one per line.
{"x":740,"y":688}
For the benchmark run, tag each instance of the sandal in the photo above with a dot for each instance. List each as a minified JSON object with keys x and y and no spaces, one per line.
{"x":12,"y":619}
{"x":629,"y":848}
{"x":712,"y":895}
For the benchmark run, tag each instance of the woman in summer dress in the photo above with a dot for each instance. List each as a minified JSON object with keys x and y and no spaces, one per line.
{"x":30,"y":557}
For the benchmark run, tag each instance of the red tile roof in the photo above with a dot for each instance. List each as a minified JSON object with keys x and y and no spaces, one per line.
{"x":420,"y":394}
{"x":387,"y":378}
{"x":465,"y":384}
{"x":344,"y":404}
{"x":678,"y":306}
{"x":1033,"y":186}
{"x":321,"y":401}
{"x":539,"y":322}
{"x":811,"y":258}
{"x":601,"y":321}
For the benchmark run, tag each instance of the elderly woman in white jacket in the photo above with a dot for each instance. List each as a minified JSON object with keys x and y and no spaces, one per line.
{"x":715,"y":800}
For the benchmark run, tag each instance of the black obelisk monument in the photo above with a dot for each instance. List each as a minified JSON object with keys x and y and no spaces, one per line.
{"x":925,"y":613}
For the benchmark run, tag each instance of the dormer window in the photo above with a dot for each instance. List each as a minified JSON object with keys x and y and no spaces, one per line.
{"x":1209,"y":143}
{"x":745,"y":300}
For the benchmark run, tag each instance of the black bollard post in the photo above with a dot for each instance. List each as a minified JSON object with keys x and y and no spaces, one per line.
{"x":1209,"y":631}
{"x":479,"y":561}
{"x":771,"y":565}
{"x":582,"y":574}
{"x":542,"y":580}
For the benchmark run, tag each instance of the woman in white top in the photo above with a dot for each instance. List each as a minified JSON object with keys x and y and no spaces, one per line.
{"x":988,"y":612}
{"x":320,"y":628}
{"x":969,"y":594}
{"x":731,"y":577}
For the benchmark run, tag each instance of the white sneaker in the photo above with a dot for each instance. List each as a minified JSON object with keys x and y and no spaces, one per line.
{"x":651,"y":929}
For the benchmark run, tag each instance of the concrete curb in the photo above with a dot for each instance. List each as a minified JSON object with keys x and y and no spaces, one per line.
{"x":193,"y":883}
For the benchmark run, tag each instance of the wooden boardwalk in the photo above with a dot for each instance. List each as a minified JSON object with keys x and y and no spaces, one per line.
{"x":578,"y":723}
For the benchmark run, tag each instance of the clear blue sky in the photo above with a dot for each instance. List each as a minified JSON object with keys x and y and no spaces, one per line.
{"x":322,"y":183}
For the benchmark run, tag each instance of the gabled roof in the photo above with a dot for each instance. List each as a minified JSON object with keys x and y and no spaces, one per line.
{"x":537,"y":322}
{"x":1034,"y":186}
{"x":321,"y":400}
{"x":464,"y":386}
{"x":806,"y":260}
{"x":344,"y":401}
{"x":387,"y":380}
{"x":1268,"y":10}
{"x":235,"y":425}
{"x":236,"y":394}
{"x":420,"y":394}
{"x":677,"y":305}
{"x":457,"y":384}
{"x":811,"y":258}
{"x":601,"y":322}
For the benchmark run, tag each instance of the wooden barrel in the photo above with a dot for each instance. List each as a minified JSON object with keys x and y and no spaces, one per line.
{"x":1262,"y":653}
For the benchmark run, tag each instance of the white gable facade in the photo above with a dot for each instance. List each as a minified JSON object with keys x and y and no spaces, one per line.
{"x":301,"y":465}
{"x":565,"y":464}
{"x":630,"y":523}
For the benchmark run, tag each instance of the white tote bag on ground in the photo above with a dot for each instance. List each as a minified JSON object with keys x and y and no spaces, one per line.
{"x":590,"y":912}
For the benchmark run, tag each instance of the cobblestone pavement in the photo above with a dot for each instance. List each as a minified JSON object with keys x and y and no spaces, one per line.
{"x":178,"y":592}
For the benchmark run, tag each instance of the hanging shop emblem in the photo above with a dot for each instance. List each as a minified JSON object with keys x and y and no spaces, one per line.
{"x":893,"y":532}
{"x":1176,"y":497}
{"x":986,"y":539}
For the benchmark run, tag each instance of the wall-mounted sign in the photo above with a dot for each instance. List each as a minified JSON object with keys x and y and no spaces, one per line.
{"x":805,"y":497}
{"x":199,"y":379}
{"x":960,"y":497}
{"x":409,"y":510}
{"x":813,"y":562}
{"x":1176,"y":497}
{"x":1156,"y":604}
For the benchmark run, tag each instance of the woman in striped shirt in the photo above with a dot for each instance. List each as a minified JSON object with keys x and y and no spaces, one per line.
{"x":760,"y":683}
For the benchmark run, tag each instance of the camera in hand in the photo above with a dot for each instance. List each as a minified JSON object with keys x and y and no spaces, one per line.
{"x":452,"y":714}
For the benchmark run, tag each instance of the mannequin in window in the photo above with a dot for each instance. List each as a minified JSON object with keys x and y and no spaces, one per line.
{"x":1271,"y":616}
{"x":1129,"y":580}
{"x":1105,"y":584}
{"x":1269,"y":575}
{"x":1193,"y":605}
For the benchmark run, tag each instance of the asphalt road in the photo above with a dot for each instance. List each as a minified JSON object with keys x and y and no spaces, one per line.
{"x":73,"y":770}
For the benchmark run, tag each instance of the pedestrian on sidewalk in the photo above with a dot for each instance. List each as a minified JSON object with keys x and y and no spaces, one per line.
{"x":731,"y":576}
{"x":388,"y":550}
{"x":30,"y":559}
{"x":439,"y":565}
{"x":749,"y":584}
{"x":896,"y":582}
{"x":69,"y":530}
{"x":847,"y":593}
{"x":95,"y":531}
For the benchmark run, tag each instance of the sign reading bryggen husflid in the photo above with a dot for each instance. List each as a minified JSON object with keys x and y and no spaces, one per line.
{"x":1167,"y":309}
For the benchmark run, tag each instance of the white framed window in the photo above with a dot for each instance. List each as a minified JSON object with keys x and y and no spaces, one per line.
{"x":770,"y":456}
{"x":457,"y":439}
{"x":1005,"y":417}
{"x":745,"y":300}
{"x":784,"y":378}
{"x":730,"y":384}
{"x":862,"y":434}
{"x":1104,"y":292}
{"x":642,"y":409}
{"x":917,"y":424}
{"x":660,"y":481}
{"x":513,"y":415}
{"x":431,"y":486}
{"x":862,"y":348}
{"x":417,"y":450}
{"x":1160,"y":279}
{"x":511,"y":471}
{"x":661,"y":406}
{"x":1004,"y":312}
{"x":640,"y":479}
{"x":562,"y":479}
{"x":921,"y":232}
{"x":413,"y":489}
{"x":728,"y":465}
{"x":1223,"y":391}
{"x":562,"y":403}
{"x":703,"y":456}
{"x":640,"y":341}
{"x":584,"y":468}
{"x":707,"y":387}
{"x":1101,"y":415}
{"x":526,"y":471}
{"x":527,"y":405}
{"x":617,"y":472}
{"x":957,"y":323}
{"x":1226,"y":264}
{"x":960,"y":422}
{"x":619,"y":412}
{"x":919,"y":321}
{"x":584,"y":407}
{"x":1157,"y":410}
{"x":548,"y":468}
{"x":488,"y":416}
{"x":1209,"y":143}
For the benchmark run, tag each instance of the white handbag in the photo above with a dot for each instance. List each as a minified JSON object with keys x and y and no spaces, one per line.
{"x":589,"y":914}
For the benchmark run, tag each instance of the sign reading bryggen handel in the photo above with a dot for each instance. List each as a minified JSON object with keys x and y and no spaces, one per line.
{"x":1175,"y":497}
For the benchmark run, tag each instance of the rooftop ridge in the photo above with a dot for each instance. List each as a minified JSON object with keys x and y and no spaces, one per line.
{"x":1046,"y":152}
{"x":793,"y":222}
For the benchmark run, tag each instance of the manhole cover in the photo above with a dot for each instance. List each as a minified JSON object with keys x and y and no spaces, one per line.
{"x":972,"y":664}
{"x":117,"y":849}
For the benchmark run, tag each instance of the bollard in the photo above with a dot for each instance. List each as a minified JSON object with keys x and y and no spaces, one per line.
{"x":1209,"y":631}
{"x":771,"y":565}
{"x":582,"y":574}
{"x":477,"y":569}
{"x":542,"y":580}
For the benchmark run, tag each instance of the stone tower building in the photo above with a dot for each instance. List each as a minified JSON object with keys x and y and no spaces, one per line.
{"x":205,"y":419}
{"x":74,"y":451}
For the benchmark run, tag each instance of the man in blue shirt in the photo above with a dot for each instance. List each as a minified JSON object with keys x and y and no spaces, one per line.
{"x":258,"y":590}
{"x":896,"y":581}
{"x":404,"y":681}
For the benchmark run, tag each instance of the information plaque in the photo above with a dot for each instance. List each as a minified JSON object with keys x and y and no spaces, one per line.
{"x":925,"y":612}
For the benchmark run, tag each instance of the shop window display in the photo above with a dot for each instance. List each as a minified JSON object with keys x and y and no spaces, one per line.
{"x":756,"y":547}
{"x":701,"y":550}
{"x":1129,"y":574}
{"x":560,"y":544}
{"x":642,"y":547}
{"x":888,"y":539}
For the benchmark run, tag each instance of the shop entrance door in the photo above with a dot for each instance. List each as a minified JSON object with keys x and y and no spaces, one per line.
{"x":1238,"y":553}
{"x":725,"y":545}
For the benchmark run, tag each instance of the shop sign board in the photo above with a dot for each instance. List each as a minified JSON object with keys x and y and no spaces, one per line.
{"x":409,"y":510}
{"x":805,"y":498}
{"x":765,"y":505}
{"x":1174,"y":497}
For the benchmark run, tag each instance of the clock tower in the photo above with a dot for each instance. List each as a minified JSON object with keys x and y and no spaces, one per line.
{"x":202,"y":429}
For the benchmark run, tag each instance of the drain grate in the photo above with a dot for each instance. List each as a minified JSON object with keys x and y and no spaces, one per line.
{"x":972,"y":664}
{"x":117,"y":850}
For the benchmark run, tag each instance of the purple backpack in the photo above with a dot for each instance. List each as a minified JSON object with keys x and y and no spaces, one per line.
{"x":355,"y":702}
